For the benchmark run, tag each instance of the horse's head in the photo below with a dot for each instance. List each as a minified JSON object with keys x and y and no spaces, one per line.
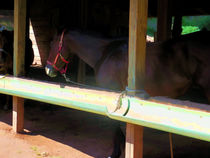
{"x":6,"y":51}
{"x":58,"y":57}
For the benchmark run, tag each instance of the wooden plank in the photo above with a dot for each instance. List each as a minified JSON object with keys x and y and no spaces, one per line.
{"x":164,"y":20}
{"x":137,"y":43}
{"x":136,"y":70}
{"x":19,"y":36}
{"x":134,"y":134}
{"x":83,"y":24}
{"x":177,"y":26}
{"x":18,"y":114}
{"x":19,"y":59}
{"x":164,"y":31}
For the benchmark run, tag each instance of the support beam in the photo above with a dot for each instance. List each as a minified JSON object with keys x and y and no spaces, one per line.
{"x":134,"y":139}
{"x":136,"y":70}
{"x":164,"y":23}
{"x":170,"y":115}
{"x":177,"y":26}
{"x":164,"y":20}
{"x":83,"y":24}
{"x":18,"y":114}
{"x":137,"y":43}
{"x":19,"y":59}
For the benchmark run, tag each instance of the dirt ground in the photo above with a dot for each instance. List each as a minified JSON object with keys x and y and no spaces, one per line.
{"x":56,"y":132}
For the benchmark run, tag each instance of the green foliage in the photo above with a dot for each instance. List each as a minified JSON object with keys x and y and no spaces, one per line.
{"x":198,"y":21}
{"x":152,"y":26}
{"x":189,"y":29}
{"x":6,"y":23}
{"x":189,"y":24}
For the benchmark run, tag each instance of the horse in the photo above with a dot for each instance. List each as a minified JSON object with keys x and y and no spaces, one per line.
{"x":6,"y":56}
{"x":172,"y":66}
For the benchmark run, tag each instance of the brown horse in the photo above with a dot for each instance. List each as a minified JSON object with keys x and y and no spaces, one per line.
{"x":171,"y":66}
{"x":6,"y":56}
{"x":6,"y":53}
{"x":6,"y":49}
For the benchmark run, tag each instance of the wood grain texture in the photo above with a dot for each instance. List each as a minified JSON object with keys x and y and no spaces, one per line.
{"x":18,"y":114}
{"x":136,"y":70}
{"x":137,"y":43}
{"x":20,"y":11}
{"x":164,"y":20}
{"x":134,"y":141}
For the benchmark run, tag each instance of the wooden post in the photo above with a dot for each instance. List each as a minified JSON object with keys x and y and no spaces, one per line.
{"x":164,"y":20}
{"x":83,"y":23}
{"x":134,"y":141}
{"x":177,"y":26}
{"x":19,"y":59}
{"x":18,"y":114}
{"x":164,"y":32}
{"x":136,"y":70}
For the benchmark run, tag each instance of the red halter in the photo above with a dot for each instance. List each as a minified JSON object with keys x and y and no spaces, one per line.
{"x":61,"y":70}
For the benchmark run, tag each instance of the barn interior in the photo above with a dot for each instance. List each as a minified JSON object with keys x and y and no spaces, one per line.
{"x":105,"y":18}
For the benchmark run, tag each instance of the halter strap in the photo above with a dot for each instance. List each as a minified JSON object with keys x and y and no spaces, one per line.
{"x":61,"y":70}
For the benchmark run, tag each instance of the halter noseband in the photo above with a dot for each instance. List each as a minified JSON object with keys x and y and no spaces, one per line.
{"x":61,"y":70}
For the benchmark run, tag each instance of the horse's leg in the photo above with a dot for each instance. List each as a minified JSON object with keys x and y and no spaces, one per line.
{"x":119,"y":141}
{"x":7,"y":104}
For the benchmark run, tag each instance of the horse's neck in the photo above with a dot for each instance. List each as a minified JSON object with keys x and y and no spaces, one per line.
{"x":87,"y":48}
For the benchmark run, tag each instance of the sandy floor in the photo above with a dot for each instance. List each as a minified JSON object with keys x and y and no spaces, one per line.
{"x":58,"y":133}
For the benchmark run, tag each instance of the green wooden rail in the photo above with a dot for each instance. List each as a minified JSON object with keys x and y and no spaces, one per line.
{"x":184,"y":118}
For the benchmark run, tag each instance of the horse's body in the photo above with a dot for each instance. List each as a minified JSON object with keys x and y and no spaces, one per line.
{"x":6,"y":55}
{"x":171,"y":66}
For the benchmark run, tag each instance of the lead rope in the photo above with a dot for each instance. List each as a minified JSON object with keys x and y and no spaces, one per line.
{"x":171,"y":145}
{"x":68,"y":80}
{"x":120,"y":97}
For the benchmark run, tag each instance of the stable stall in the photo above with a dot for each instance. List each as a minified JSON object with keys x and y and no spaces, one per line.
{"x":180,"y":117}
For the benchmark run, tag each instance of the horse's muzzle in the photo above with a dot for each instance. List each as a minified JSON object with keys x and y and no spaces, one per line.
{"x":50,"y":71}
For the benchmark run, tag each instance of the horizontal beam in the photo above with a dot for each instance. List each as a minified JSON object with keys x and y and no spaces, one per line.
{"x":175,"y":116}
{"x":95,"y":101}
{"x":180,"y":117}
